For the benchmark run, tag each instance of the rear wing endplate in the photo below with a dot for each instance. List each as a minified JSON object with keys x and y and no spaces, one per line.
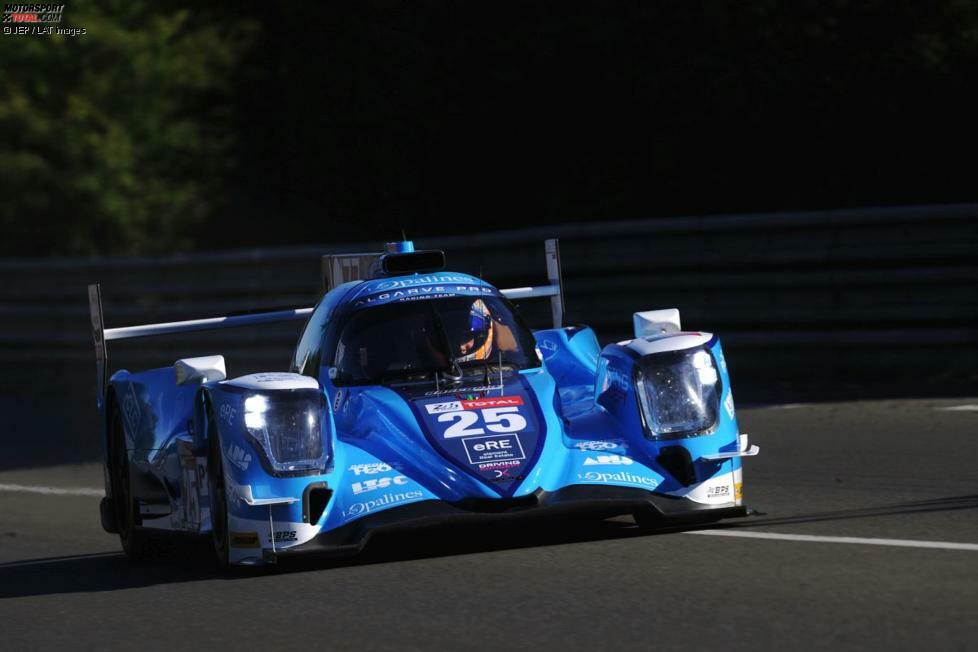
{"x":337,"y":269}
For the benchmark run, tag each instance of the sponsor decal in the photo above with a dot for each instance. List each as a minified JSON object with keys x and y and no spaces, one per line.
{"x":738,"y":491}
{"x":607,"y":459}
{"x":484,"y":388}
{"x":244,"y":540}
{"x":600,"y":445}
{"x":498,"y":466}
{"x":718,"y":491}
{"x":272,"y":377}
{"x":421,"y":280}
{"x":372,"y":484}
{"x":467,"y":423}
{"x":491,"y":402}
{"x":238,"y":457}
{"x":492,"y":435}
{"x":282,"y":536}
{"x":729,"y":404}
{"x":338,"y":401}
{"x":547,"y":348}
{"x":493,"y":448}
{"x":423,"y":292}
{"x":228,"y":414}
{"x":471,"y":402}
{"x":620,"y":476}
{"x":193,"y":486}
{"x":131,"y":411}
{"x":447,"y":406}
{"x":357,"y":509}
{"x":371,"y":468}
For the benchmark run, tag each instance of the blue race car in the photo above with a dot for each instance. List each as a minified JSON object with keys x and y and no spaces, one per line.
{"x":416,"y":396}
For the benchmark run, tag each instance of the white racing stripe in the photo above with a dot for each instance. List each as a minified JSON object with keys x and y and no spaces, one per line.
{"x":902,"y":543}
{"x":52,"y":491}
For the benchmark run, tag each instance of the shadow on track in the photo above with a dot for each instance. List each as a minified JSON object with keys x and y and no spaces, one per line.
{"x":948,"y":504}
{"x":190,"y":559}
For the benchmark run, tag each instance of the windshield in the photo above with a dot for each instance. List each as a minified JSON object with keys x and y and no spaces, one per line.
{"x":415,"y":339}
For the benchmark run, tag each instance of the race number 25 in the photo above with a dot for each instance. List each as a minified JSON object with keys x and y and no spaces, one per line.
{"x":467,"y":423}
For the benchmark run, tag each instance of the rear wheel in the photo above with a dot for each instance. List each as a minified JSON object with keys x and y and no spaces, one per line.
{"x":135,"y":541}
{"x":218,"y":494}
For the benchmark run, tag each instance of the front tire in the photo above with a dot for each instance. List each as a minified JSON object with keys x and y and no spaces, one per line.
{"x":218,"y":494}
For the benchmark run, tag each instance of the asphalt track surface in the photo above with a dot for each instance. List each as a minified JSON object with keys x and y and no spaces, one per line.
{"x":891,"y":472}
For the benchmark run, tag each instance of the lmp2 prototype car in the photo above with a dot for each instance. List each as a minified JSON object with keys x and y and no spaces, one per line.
{"x":416,"y":396}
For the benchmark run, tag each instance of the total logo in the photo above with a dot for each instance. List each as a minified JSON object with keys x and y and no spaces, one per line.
{"x":600,"y":460}
{"x":474,"y":404}
{"x":371,"y":468}
{"x":372,"y":484}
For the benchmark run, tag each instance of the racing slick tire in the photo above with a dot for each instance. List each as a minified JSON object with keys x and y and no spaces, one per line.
{"x":137,"y":543}
{"x":218,"y":495}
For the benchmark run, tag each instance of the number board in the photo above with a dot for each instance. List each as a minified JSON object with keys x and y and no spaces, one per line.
{"x":495,"y":438}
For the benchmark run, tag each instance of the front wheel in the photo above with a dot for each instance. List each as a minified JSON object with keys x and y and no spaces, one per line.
{"x":218,"y":493}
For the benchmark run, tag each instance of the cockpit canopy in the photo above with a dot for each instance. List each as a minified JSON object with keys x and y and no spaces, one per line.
{"x":416,"y":339}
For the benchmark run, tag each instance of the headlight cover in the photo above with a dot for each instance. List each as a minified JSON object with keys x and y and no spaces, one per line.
{"x":285,"y":426}
{"x":678,"y":393}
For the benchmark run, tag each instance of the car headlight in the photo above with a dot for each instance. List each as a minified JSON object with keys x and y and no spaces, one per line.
{"x":679,"y":393}
{"x":285,"y":427}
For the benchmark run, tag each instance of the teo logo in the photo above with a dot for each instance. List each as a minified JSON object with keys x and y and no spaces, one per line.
{"x":371,"y":468}
{"x":371,"y":484}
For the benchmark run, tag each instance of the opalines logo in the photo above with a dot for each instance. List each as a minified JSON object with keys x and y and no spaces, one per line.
{"x":621,"y":476}
{"x":357,"y":509}
{"x":421,"y":280}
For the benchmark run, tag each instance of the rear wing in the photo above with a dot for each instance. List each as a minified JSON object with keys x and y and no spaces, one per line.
{"x":337,"y":269}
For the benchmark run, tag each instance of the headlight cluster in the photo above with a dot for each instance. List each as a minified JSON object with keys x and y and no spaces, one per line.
{"x":285,"y":427}
{"x":679,"y":393}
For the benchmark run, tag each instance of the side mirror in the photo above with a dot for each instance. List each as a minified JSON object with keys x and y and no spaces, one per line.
{"x":195,"y":371}
{"x":656,"y":322}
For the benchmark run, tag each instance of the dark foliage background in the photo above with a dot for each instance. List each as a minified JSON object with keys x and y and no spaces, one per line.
{"x":168,"y":126}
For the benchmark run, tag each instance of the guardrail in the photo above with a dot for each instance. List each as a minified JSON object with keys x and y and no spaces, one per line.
{"x":832,"y":295}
